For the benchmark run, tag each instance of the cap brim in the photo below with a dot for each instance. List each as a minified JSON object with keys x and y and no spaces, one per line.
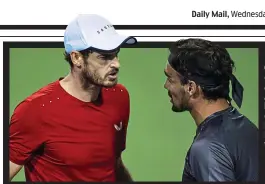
{"x":113,"y":42}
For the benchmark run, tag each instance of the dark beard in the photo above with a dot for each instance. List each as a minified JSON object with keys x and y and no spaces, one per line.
{"x":183,"y":105}
{"x":182,"y":108}
{"x":91,"y":79}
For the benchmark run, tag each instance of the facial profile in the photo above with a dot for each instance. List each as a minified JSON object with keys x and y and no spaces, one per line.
{"x":198,"y":72}
{"x":176,"y":91}
{"x":100,"y":69}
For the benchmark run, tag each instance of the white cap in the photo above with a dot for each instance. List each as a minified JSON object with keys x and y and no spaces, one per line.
{"x":93,"y":31}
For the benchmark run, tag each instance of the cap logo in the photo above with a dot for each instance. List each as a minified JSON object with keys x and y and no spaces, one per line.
{"x":105,"y":27}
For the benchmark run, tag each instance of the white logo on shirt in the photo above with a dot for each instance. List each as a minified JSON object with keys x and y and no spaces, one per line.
{"x":118,"y":128}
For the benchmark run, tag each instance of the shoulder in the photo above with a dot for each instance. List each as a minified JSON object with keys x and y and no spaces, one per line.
{"x":203,"y":149}
{"x":122,"y":88}
{"x":210,"y":161}
{"x":119,"y":91}
{"x":34,"y":101}
{"x":124,"y":93}
{"x":199,"y":148}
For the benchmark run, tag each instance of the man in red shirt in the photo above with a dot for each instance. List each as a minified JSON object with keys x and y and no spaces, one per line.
{"x":74,"y":129}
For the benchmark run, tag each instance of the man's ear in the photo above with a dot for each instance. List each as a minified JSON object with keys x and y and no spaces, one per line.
{"x":76,"y":58}
{"x":191,"y":88}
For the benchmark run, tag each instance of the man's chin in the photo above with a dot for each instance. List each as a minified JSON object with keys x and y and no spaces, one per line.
{"x":110,"y":84}
{"x":177,"y":109}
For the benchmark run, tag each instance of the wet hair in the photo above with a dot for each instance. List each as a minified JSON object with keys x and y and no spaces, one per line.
{"x":207,"y":64}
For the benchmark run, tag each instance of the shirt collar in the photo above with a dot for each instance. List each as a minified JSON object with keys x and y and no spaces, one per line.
{"x":212,"y":116}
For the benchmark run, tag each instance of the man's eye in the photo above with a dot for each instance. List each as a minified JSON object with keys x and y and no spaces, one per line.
{"x":109,"y":57}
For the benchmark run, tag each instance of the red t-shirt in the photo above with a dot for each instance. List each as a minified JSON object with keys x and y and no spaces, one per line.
{"x":60,"y":138}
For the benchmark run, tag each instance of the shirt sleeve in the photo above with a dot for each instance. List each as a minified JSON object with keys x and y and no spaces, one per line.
{"x":126,"y":117}
{"x":25,"y":133}
{"x":211,"y":162}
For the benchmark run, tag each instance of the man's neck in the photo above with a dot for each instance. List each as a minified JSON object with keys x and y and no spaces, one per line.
{"x":204,"y":109}
{"x":73,"y":85}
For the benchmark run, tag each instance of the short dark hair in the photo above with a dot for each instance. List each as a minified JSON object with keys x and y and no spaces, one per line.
{"x":206,"y":63}
{"x":85,"y":53}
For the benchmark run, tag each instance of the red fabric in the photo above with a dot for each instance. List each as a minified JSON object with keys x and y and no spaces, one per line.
{"x":60,"y":138}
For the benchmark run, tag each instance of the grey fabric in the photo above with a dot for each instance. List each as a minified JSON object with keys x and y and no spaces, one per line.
{"x":225,"y":148}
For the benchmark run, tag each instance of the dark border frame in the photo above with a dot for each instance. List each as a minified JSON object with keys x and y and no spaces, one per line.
{"x":260,"y":45}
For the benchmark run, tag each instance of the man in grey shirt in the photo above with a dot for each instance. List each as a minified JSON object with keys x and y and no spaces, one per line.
{"x":225,"y":147}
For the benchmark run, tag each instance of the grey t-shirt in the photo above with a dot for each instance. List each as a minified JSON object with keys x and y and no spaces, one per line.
{"x":225,"y":148}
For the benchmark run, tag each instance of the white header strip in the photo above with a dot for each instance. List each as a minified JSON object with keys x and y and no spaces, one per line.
{"x":130,"y":12}
{"x":140,"y":39}
{"x":143,"y":32}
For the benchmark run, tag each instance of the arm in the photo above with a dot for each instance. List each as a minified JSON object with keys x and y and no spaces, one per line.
{"x":211,"y":162}
{"x":13,"y":169}
{"x":122,"y":174}
{"x":24,"y":136}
